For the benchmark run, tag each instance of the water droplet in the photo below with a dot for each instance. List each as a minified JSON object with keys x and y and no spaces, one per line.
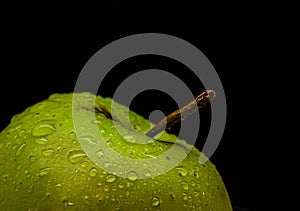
{"x":19,"y":166}
{"x":184,"y":196}
{"x":87,"y":139}
{"x":72,"y":135}
{"x":196,"y":174}
{"x":67,"y":202}
{"x":106,"y":188}
{"x":48,"y":152}
{"x":113,"y":198}
{"x":44,"y":128}
{"x":30,"y":188}
{"x":33,"y":159}
{"x":155,"y":201}
{"x":111,"y":178}
{"x":121,"y":185}
{"x":70,"y":203}
{"x":185,"y":185}
{"x":58,"y":148}
{"x":21,"y":133}
{"x":150,"y":156}
{"x":147,"y":173}
{"x":44,"y":171}
{"x":18,"y":187}
{"x":196,"y":193}
{"x":58,"y":185}
{"x":109,"y":144}
{"x":20,"y":149}
{"x":42,"y":141}
{"x":132,"y":176}
{"x":106,"y":164}
{"x":182,"y":170}
{"x":100,"y":154}
{"x":76,"y":156}
{"x":5,"y":177}
{"x":84,"y":164}
{"x":131,"y":152}
{"x":93,"y":172}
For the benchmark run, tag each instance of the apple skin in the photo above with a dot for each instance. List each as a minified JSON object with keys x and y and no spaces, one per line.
{"x":43,"y":166}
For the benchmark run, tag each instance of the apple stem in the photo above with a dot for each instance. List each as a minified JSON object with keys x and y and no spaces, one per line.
{"x":179,"y":115}
{"x":104,"y":111}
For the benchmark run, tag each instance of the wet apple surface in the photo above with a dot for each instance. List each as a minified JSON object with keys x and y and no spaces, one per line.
{"x":43,"y":165}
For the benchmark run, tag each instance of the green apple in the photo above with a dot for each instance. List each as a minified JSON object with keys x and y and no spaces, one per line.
{"x":45,"y":166}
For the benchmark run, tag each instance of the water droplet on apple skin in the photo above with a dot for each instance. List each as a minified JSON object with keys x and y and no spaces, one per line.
{"x":5,"y":177}
{"x":185,"y":185}
{"x":33,"y":159}
{"x":121,"y":185}
{"x":184,"y":196}
{"x":196,"y":193}
{"x":67,"y":202}
{"x":76,"y":156}
{"x":155,"y":201}
{"x":58,"y":185}
{"x":147,"y":173}
{"x":100,"y":153}
{"x":43,"y":128}
{"x":20,"y":149}
{"x":93,"y":172}
{"x":44,"y":171}
{"x":87,"y":139}
{"x":106,"y":188}
{"x":18,"y":187}
{"x":182,"y":170}
{"x":42,"y":141}
{"x":48,"y":152}
{"x":111,"y":178}
{"x":72,"y":135}
{"x":132,"y":176}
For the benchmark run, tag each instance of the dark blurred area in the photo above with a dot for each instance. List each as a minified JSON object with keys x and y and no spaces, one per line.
{"x":44,"y":51}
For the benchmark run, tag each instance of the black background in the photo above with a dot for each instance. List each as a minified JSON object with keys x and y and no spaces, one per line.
{"x":250,"y":46}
